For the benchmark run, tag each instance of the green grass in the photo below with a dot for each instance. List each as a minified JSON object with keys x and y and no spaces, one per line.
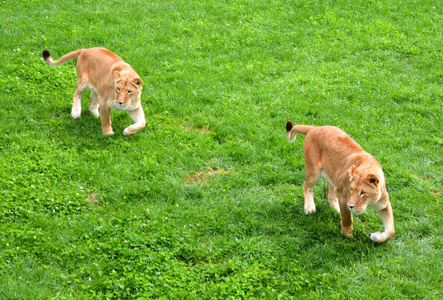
{"x":206,"y":202}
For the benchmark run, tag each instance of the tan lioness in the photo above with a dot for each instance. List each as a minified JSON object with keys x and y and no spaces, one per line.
{"x":113,"y":83}
{"x":353,"y":177}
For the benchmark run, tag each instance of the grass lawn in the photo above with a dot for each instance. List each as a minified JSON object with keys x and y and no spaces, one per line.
{"x":206,"y":202}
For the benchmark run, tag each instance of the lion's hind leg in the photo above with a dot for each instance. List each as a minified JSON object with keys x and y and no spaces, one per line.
{"x":313,"y":172}
{"x":82,"y":85}
{"x":312,"y":176}
{"x":332,"y":196}
{"x":93,"y":104}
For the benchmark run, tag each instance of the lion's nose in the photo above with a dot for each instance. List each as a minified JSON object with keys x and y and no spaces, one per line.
{"x":120,"y":102}
{"x":351,"y":206}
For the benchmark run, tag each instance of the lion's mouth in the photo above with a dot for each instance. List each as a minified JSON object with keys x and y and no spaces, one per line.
{"x":119,"y":104}
{"x":357,"y":212}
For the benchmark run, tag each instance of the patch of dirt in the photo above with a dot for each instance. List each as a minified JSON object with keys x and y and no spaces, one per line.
{"x":204,"y":176}
{"x":204,"y":130}
{"x":94,"y":200}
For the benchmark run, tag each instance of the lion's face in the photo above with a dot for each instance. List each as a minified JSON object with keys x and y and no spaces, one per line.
{"x":364,"y":189}
{"x":127,"y":91}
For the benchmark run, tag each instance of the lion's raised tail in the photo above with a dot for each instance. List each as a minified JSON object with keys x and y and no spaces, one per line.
{"x":292,"y":130}
{"x":67,"y":57}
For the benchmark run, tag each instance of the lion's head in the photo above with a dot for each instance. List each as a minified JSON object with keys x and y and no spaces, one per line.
{"x":364,"y":188}
{"x":127,"y":89}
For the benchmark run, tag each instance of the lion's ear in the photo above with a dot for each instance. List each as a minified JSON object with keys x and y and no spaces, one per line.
{"x":352,"y":171}
{"x":137,"y":82}
{"x":117,"y":76}
{"x":372,"y":180}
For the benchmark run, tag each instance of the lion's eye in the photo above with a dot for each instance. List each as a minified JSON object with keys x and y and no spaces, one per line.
{"x":118,"y":90}
{"x":129,"y":92}
{"x":362,"y":193}
{"x":351,"y":190}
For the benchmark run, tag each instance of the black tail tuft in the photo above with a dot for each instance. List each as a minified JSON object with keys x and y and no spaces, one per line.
{"x":289,"y":126}
{"x":46,"y":54}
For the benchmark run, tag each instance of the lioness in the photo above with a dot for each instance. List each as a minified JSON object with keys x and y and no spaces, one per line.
{"x":352,"y":175}
{"x":113,"y":83}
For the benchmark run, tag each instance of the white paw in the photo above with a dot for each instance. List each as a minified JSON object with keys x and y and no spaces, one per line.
{"x":378,"y":237}
{"x":95,"y":112}
{"x":309,"y":209}
{"x":76,"y":112}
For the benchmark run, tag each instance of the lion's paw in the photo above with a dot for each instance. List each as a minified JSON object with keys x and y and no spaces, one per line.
{"x":309,"y":210}
{"x":109,"y":132}
{"x":378,"y":237}
{"x":126,"y":132}
{"x":76,"y":112}
{"x":95,"y":112}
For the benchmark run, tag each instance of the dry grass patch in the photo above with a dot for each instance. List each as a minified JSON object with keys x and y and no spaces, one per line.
{"x":204,"y":130}
{"x":94,"y":200}
{"x":205,"y":176}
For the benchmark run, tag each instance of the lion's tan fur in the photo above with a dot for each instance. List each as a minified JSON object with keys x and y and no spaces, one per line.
{"x":354,"y":178}
{"x":113,"y":83}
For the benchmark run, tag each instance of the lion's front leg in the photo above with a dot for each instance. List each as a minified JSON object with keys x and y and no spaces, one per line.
{"x":138,"y":116}
{"x":345,"y":213}
{"x":346,"y":218}
{"x":105,"y":116}
{"x":387,"y":218}
{"x":93,"y":104}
